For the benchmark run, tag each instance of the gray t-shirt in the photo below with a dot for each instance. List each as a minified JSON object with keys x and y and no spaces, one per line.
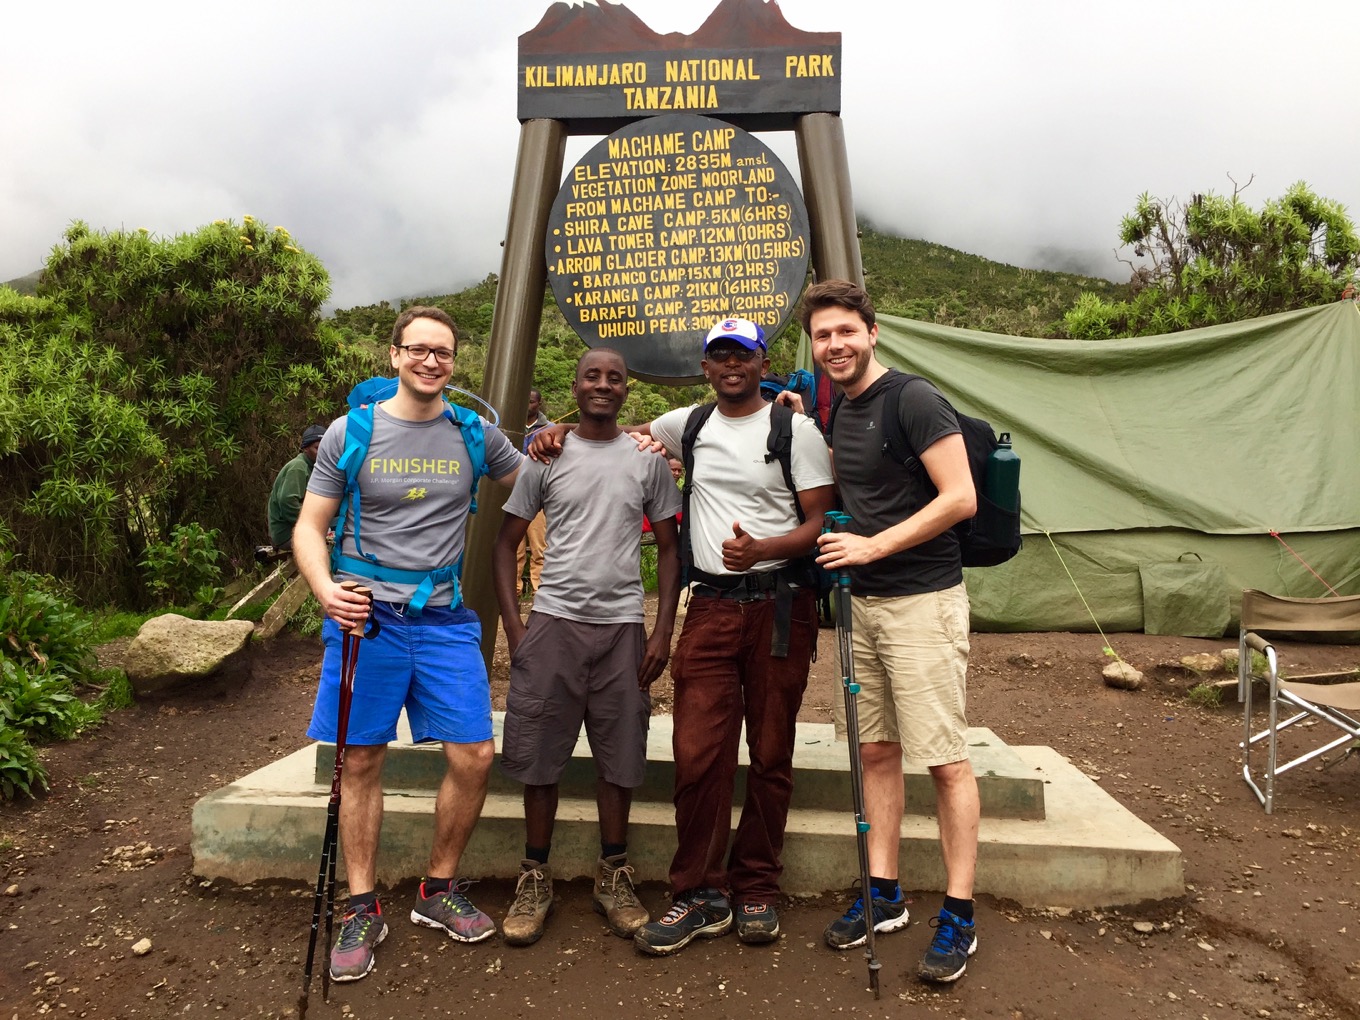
{"x":594,"y":496}
{"x":414,"y":492}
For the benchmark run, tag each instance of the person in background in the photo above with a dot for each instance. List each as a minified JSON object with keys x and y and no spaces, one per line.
{"x":290,"y":486}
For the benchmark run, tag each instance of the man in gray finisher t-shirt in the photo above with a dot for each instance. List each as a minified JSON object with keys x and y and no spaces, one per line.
{"x":414,"y":487}
{"x":582,"y":657}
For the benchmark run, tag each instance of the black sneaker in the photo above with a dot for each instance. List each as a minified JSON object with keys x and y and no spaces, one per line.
{"x":699,"y":913}
{"x":757,"y":923}
{"x":848,"y":931}
{"x":947,"y":958}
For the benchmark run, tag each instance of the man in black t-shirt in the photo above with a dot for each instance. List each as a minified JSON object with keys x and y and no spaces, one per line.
{"x":910,"y":615}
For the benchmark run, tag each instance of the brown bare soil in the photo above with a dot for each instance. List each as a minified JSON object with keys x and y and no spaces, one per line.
{"x":1268,"y":925}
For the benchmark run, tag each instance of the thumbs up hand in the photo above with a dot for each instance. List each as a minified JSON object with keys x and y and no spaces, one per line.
{"x":741,"y":552}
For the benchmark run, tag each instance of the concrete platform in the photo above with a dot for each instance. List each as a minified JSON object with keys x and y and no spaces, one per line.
{"x":1007,"y":788}
{"x":1081,"y":848}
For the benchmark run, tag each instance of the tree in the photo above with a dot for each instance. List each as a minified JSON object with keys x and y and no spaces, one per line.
{"x":157,"y":382}
{"x":1215,"y":259}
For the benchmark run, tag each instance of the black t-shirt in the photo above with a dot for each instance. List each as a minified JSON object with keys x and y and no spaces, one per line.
{"x":878,"y":491}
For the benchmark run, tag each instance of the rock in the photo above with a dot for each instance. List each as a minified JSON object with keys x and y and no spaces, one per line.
{"x":1229,"y":657}
{"x":1204,"y":662}
{"x":1145,"y":927}
{"x":12,"y":890}
{"x":1123,"y":676}
{"x":141,"y":947}
{"x":172,"y":650}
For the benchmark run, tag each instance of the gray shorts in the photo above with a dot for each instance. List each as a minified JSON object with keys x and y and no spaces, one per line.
{"x":566,"y":673}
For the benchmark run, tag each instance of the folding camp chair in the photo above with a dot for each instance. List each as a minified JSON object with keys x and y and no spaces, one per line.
{"x":1337,"y":704}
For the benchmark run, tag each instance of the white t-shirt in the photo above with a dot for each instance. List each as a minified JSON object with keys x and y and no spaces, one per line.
{"x":733,"y":484}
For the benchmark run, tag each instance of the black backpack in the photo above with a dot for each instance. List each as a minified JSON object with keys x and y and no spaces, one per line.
{"x":992,"y":535}
{"x":778,"y":447}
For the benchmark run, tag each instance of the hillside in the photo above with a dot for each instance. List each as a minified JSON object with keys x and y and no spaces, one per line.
{"x":927,"y":281}
{"x":916,"y":279}
{"x":24,"y":284}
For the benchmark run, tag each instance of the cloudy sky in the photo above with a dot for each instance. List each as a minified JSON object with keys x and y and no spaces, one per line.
{"x":383,"y":136}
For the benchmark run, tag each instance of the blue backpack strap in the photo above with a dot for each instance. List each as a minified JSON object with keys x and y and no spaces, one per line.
{"x":474,"y":438}
{"x":358,"y":437}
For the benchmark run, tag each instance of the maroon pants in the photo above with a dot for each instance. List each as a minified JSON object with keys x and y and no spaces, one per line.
{"x":724,"y":674}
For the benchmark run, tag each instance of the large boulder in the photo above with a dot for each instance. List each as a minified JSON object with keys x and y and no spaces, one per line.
{"x":172,"y":650}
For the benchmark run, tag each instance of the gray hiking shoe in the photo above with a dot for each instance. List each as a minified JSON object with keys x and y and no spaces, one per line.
{"x":616,"y":898}
{"x":533,"y":903}
{"x":452,"y":913}
{"x":361,"y":932}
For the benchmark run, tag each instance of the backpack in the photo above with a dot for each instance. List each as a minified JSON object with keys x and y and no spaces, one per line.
{"x":358,"y":435}
{"x":800,"y":381}
{"x":992,"y":535}
{"x":778,"y":447}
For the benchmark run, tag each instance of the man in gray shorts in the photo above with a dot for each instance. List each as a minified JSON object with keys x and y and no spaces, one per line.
{"x":584,"y":655}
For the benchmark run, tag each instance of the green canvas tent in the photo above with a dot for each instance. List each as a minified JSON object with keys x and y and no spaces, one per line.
{"x":1154,"y":470}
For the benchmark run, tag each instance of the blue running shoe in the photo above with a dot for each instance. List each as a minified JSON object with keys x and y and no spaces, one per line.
{"x":947,"y":958}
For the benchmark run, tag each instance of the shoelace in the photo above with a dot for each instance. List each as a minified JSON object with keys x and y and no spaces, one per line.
{"x":526,"y":893}
{"x":855,"y":912}
{"x":353,"y":930}
{"x":625,"y":897}
{"x":678,"y":910}
{"x":948,"y":935}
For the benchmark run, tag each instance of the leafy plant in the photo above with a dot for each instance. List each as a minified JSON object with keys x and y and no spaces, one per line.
{"x":185,"y":568}
{"x":40,"y":626}
{"x":157,"y":381}
{"x":43,"y":704}
{"x":1214,"y":259}
{"x":20,"y":770}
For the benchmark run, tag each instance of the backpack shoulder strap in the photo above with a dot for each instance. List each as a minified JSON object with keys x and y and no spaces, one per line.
{"x":779,"y":446}
{"x":358,"y":436}
{"x":895,"y":442}
{"x":474,"y":438}
{"x":696,"y":421}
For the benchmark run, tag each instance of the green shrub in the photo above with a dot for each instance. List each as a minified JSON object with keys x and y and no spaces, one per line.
{"x":185,"y":569}
{"x":38,"y":625}
{"x":20,"y":770}
{"x":43,"y":705}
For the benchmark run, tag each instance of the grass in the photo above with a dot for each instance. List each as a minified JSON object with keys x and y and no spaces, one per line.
{"x":1205,"y":695}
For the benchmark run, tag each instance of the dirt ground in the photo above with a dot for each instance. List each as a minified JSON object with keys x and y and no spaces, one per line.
{"x":1267,"y":927}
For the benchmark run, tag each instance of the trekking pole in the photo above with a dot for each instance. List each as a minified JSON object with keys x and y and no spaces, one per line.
{"x":837,"y":521}
{"x":325,"y":875}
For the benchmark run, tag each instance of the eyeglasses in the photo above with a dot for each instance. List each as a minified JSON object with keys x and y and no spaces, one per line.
{"x":419,"y":352}
{"x":727,"y":353}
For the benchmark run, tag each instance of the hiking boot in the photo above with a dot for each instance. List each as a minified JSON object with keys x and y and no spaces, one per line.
{"x":947,"y":958}
{"x":452,"y":913}
{"x":615,"y":897}
{"x":848,"y":931}
{"x":533,"y":903}
{"x":757,"y":923}
{"x":700,"y":913}
{"x":361,"y":931}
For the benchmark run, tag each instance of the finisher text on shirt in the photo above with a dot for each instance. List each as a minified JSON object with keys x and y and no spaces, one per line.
{"x":412,"y":466}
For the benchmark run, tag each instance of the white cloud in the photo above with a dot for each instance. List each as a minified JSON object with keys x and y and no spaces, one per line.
{"x":385,"y":138}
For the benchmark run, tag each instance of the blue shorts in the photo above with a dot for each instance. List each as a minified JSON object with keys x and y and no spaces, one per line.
{"x":432,"y":664}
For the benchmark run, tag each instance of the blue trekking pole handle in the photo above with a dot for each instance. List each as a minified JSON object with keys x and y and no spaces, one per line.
{"x":832,"y":521}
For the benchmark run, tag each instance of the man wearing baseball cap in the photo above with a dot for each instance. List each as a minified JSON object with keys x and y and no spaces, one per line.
{"x":749,"y":633}
{"x":285,"y":498}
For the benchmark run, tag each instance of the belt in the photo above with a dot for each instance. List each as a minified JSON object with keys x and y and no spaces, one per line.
{"x":770,"y":585}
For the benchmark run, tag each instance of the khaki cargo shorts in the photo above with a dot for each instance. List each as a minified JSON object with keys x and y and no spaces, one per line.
{"x":911,"y":662}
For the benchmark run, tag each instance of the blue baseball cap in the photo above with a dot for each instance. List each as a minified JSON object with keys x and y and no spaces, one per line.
{"x":741,"y":331}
